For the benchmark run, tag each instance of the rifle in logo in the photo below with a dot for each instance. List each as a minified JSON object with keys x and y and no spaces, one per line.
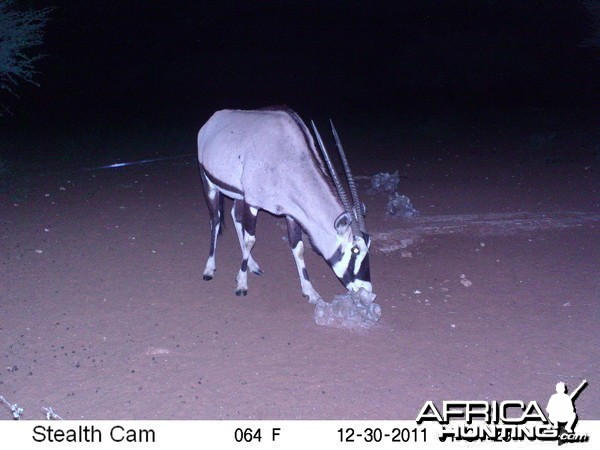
{"x":576,"y":392}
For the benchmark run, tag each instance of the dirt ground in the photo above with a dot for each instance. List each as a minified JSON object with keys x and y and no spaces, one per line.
{"x":104,"y":313}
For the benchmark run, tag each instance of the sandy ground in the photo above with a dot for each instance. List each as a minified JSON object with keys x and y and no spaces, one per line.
{"x":104,"y":313}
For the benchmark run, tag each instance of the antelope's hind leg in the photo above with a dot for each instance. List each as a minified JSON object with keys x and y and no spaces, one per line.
{"x":244,"y":217}
{"x":295,"y":238}
{"x":237,"y":213}
{"x":214,"y":200}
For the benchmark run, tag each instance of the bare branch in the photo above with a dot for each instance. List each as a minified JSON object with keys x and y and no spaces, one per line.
{"x":20,"y":31}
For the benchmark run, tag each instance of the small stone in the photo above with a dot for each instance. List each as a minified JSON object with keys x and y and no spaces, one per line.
{"x":465,"y":282}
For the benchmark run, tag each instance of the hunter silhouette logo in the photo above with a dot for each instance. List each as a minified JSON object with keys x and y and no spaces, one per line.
{"x":508,"y":420}
{"x":561,"y":411}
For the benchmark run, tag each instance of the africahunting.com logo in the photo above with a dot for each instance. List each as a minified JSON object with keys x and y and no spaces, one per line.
{"x":509,"y":420}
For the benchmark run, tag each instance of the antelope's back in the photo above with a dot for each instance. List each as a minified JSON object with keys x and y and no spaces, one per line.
{"x":262,"y":154}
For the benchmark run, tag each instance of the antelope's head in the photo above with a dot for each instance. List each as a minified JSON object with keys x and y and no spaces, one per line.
{"x":350,"y":261}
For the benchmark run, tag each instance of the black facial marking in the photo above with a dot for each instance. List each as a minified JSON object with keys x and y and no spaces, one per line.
{"x":364,"y":271}
{"x":347,"y":278}
{"x":349,"y":274}
{"x":367,"y":239}
{"x":336,"y":257}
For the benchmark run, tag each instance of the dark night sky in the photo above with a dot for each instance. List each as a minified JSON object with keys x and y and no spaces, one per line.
{"x":164,"y":61}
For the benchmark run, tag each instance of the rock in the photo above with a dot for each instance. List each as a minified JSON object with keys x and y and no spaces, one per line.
{"x":353,"y":310}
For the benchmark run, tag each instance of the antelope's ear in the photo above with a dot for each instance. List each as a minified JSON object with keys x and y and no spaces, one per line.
{"x":342,"y":223}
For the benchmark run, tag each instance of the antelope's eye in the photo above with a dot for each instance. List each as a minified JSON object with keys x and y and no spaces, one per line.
{"x":355,"y":250}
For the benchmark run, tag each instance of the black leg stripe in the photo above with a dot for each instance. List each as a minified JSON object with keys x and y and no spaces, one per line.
{"x":305,"y":274}
{"x":294,"y":232}
{"x":214,"y":222}
{"x":244,"y":267}
{"x":248,"y":220}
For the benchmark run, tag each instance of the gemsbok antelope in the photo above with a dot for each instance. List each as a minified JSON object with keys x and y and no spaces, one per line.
{"x":266,"y":159}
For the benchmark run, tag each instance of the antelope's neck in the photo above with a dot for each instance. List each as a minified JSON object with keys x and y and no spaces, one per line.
{"x":318,"y":221}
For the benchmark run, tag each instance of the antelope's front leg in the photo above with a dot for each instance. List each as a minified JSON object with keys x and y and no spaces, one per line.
{"x":295,"y":238}
{"x":213,"y":199}
{"x":248,"y":233}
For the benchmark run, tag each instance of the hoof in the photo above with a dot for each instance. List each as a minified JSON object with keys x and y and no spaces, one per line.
{"x":241,"y":292}
{"x":258,"y":272}
{"x":313,"y":299}
{"x":207,"y":277}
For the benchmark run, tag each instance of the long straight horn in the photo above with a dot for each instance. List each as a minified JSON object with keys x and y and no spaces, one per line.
{"x":336,"y":181}
{"x":358,"y":209}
